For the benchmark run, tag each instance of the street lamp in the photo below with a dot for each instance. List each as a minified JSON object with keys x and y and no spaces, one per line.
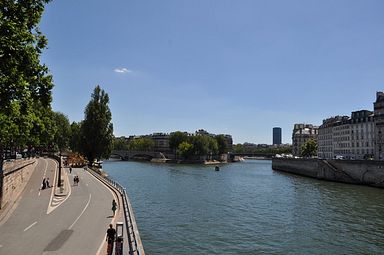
{"x":59,"y":177}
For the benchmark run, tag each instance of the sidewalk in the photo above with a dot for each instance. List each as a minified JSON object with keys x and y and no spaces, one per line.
{"x":119,"y":215}
{"x":64,"y":189}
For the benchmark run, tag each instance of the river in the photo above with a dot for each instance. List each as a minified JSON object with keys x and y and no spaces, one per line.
{"x":247,"y":208}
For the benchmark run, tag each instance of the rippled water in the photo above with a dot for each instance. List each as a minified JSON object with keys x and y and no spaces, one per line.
{"x":247,"y":208}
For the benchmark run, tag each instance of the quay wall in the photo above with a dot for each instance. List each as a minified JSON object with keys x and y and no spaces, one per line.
{"x":15,"y":176}
{"x":364,"y":172}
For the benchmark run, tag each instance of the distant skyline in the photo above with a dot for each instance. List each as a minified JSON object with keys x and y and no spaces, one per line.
{"x":232,"y":67}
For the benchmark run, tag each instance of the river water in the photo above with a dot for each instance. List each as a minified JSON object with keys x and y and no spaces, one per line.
{"x":247,"y":208}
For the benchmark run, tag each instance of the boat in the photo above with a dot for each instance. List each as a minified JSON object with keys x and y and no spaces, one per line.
{"x":217,"y":168}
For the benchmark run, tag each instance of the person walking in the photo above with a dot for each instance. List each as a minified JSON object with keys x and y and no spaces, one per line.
{"x":44,"y":185}
{"x":114,"y":206}
{"x":111,"y":234}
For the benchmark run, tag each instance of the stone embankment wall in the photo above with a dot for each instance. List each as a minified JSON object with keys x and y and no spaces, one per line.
{"x":348,"y":171}
{"x":15,"y":177}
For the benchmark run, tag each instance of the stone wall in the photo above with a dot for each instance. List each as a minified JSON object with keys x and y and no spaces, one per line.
{"x":14,"y":181}
{"x":306,"y":167}
{"x":364,"y":172}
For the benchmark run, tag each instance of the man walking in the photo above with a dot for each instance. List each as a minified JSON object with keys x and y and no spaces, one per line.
{"x":111,"y":234}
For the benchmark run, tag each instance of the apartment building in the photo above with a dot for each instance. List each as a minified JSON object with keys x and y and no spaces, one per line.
{"x":347,"y":137}
{"x":378,"y":106}
{"x":300,"y":135}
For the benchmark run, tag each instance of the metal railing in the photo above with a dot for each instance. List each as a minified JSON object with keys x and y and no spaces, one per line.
{"x":134,"y":240}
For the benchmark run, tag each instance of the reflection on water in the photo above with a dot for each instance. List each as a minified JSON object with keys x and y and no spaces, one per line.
{"x":247,"y":208}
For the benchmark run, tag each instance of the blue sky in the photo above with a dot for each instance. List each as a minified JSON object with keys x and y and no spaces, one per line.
{"x":237,"y":67}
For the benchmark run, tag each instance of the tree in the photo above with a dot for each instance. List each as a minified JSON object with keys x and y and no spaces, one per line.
{"x":75,"y":142}
{"x":142,"y":144}
{"x":63,"y":131}
{"x":186,"y":149}
{"x":175,"y":139}
{"x":309,"y":148}
{"x":120,"y":144}
{"x":26,"y":84}
{"x":97,"y":129}
{"x":222,"y":144}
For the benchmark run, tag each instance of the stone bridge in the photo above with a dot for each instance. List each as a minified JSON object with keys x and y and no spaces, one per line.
{"x":144,"y":155}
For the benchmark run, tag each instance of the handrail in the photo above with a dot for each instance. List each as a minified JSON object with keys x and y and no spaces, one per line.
{"x":134,"y":240}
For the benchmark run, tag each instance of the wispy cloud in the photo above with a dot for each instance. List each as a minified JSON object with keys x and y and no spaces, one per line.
{"x":122,"y":70}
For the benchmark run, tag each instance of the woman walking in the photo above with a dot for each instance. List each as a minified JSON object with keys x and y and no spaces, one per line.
{"x":114,"y":206}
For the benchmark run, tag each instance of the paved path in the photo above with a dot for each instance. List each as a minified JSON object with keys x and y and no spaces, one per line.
{"x":74,"y":223}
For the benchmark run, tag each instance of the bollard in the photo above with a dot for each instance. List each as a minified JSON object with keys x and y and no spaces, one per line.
{"x":119,"y":238}
{"x":62,"y":186}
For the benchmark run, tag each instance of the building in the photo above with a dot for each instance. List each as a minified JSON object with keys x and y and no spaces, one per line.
{"x":362,"y":127}
{"x":161,"y":142}
{"x":276,"y":136}
{"x":325,"y":142}
{"x":300,"y":135}
{"x":378,"y":107}
{"x":344,"y":137}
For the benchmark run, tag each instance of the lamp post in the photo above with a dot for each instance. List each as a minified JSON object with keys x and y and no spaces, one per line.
{"x":59,"y":177}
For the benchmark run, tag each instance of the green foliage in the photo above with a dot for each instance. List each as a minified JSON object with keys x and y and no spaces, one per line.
{"x":309,"y":148}
{"x":25,"y":84}
{"x":97,"y":129}
{"x":185,"y":149}
{"x":75,"y":143}
{"x":222,"y":144}
{"x":63,"y":130}
{"x":141,"y":144}
{"x":120,"y":144}
{"x":177,"y":138}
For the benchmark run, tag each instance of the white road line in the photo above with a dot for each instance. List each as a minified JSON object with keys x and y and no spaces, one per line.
{"x":30,"y":226}
{"x":45,"y":171}
{"x":85,"y":208}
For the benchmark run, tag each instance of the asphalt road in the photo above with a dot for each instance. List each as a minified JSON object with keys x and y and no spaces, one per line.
{"x":46,"y":224}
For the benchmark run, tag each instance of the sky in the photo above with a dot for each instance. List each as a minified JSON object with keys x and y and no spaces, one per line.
{"x":238,"y":67}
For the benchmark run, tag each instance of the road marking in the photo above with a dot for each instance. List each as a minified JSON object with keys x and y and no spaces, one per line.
{"x":85,"y":208}
{"x":45,"y":171}
{"x":30,"y":226}
{"x":55,"y":201}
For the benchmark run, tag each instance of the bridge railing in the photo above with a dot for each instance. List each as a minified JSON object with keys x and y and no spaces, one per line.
{"x":134,"y":240}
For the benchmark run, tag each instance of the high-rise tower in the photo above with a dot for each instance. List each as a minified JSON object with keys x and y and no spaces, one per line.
{"x":276,"y":135}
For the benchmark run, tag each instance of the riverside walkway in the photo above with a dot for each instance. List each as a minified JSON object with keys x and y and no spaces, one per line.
{"x":68,"y":220}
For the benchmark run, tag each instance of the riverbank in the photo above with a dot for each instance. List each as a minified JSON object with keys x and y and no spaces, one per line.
{"x":363,"y":172}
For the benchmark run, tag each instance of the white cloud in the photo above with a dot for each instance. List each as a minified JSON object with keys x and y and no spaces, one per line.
{"x":122,"y":70}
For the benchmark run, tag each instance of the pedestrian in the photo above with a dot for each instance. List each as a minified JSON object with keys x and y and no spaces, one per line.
{"x":70,"y":169}
{"x":47,"y":183}
{"x":114,"y":206}
{"x":111,"y":233}
{"x":44,"y":185}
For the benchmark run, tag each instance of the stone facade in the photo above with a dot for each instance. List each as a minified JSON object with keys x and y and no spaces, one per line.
{"x":365,"y":172}
{"x":301,"y":134}
{"x":14,"y":181}
{"x":362,"y":129}
{"x":344,"y":137}
{"x":379,"y":126}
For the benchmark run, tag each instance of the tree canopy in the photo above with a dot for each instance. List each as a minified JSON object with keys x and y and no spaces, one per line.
{"x":141,"y":144}
{"x":309,"y":148}
{"x":26,"y":85}
{"x":97,"y":128}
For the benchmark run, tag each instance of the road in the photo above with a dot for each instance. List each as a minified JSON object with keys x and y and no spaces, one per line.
{"x":43,"y":223}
